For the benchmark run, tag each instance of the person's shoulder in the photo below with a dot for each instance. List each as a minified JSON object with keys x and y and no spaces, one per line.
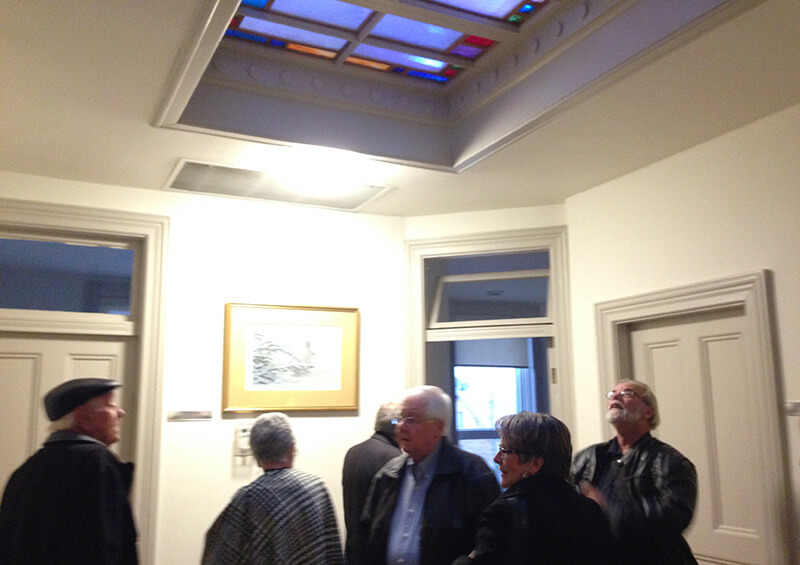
{"x":453,"y":459}
{"x":590,"y":452}
{"x":667,"y":452}
{"x":393,"y":466}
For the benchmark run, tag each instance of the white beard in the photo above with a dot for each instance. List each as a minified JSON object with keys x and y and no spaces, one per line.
{"x":623,"y":415}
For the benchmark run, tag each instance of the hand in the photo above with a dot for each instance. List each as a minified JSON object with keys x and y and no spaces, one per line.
{"x":590,"y":491}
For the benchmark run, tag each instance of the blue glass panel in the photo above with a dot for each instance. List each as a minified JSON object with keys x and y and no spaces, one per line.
{"x":397,"y":58}
{"x":490,"y":8}
{"x":415,"y":33}
{"x":243,"y":35}
{"x":255,"y":3}
{"x":291,"y":33}
{"x":526,"y":9}
{"x":466,"y":51}
{"x":331,"y":12}
{"x":428,"y":76}
{"x":47,"y":275}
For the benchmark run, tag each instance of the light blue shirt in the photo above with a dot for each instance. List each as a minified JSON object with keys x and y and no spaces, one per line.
{"x":403,"y":546}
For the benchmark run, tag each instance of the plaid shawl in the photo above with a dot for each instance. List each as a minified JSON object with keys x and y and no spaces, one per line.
{"x":284,"y":517}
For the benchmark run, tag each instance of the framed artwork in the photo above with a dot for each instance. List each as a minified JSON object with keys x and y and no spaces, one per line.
{"x":290,"y":358}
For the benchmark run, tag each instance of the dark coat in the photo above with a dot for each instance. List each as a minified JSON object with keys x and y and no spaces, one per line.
{"x":461,"y":489}
{"x":541,"y":519}
{"x":650,"y":497}
{"x":361,"y":463}
{"x":68,"y":505}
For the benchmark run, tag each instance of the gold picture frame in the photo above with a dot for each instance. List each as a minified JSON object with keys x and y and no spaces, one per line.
{"x":290,"y":358}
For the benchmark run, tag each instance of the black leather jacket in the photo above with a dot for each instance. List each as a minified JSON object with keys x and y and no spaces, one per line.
{"x":650,"y":496}
{"x":462,"y":487}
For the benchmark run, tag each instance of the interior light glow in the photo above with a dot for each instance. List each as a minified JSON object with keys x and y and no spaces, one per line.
{"x":427,"y":62}
{"x":321,"y":171}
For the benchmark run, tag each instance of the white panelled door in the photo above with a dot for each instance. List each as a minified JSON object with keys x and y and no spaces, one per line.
{"x":699,"y":368}
{"x":32,"y":365}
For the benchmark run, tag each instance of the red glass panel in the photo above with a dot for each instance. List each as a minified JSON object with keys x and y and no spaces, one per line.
{"x":476,"y":40}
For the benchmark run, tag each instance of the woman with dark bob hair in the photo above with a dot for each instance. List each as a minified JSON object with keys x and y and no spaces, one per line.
{"x":539,"y":518}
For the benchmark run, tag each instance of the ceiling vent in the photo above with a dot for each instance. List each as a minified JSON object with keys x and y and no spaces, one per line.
{"x":210,"y":178}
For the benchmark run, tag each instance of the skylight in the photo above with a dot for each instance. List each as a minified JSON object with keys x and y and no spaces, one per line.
{"x":352,"y":34}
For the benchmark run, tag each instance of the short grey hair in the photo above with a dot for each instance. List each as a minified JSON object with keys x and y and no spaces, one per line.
{"x":532,"y":434}
{"x":65,"y":422}
{"x":438,"y":404}
{"x":647,"y":396}
{"x":271,"y":438}
{"x":384,"y":419}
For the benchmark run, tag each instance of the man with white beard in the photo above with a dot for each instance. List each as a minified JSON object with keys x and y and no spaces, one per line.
{"x":646,"y":487}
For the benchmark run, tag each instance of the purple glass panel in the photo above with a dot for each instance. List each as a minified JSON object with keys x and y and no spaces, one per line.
{"x":491,"y":8}
{"x":415,"y":33}
{"x":466,"y":51}
{"x":331,"y":12}
{"x":271,"y":29}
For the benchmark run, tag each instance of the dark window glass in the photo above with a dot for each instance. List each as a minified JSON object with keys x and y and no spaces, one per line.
{"x":47,"y":275}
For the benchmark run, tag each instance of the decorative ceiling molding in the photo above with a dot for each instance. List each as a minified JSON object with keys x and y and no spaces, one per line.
{"x":277,"y":97}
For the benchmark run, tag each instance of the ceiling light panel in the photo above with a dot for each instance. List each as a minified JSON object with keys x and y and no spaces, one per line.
{"x":347,"y":33}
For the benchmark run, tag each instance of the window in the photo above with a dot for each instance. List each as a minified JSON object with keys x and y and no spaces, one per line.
{"x":492,"y":328}
{"x":56,"y":276}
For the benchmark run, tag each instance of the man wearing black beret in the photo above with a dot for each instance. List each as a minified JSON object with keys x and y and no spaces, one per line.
{"x":68,"y":504}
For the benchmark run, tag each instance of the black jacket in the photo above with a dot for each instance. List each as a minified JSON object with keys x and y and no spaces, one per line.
{"x":650,"y":496}
{"x":361,"y":463}
{"x":68,"y":505}
{"x":541,"y":519}
{"x":461,"y":489}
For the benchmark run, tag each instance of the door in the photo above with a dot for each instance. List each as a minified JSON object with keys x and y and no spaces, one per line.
{"x":32,"y":364}
{"x":699,"y":369}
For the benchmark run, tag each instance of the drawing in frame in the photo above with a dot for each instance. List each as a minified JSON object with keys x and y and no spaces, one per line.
{"x":290,"y":358}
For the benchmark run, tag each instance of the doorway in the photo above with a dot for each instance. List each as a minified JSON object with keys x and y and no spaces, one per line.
{"x":40,"y":347}
{"x":706,"y":350}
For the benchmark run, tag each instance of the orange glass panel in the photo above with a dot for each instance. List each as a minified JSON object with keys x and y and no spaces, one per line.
{"x":367,"y":63}
{"x":311,"y":50}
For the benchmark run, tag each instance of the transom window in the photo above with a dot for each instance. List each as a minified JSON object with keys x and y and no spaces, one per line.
{"x":65,"y":277}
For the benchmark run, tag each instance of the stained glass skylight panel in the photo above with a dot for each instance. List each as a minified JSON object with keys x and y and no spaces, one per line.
{"x":347,"y":33}
{"x":511,"y":11}
{"x":331,"y":12}
{"x":289,"y":33}
{"x":399,"y":58}
{"x":419,"y":34}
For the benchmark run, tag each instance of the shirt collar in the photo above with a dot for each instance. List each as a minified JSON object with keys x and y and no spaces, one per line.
{"x":69,"y":435}
{"x":427,"y":465}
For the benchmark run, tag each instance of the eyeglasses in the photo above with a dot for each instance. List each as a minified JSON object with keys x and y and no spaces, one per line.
{"x":503,"y":451}
{"x":626,"y":393}
{"x":410,"y":421}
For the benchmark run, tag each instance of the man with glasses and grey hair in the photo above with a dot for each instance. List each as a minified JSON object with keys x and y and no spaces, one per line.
{"x":285,"y":516}
{"x":647,"y":488}
{"x":423,"y":506}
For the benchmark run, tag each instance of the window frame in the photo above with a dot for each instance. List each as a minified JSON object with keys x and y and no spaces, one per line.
{"x":554,"y":241}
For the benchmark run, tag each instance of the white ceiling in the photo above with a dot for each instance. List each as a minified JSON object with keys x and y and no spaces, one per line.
{"x":83,"y":83}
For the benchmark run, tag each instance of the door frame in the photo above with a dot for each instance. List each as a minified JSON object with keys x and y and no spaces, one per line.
{"x":750,"y":292}
{"x":147,"y":235}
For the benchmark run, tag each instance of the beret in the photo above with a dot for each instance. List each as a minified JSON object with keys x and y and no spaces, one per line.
{"x":67,"y":396}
